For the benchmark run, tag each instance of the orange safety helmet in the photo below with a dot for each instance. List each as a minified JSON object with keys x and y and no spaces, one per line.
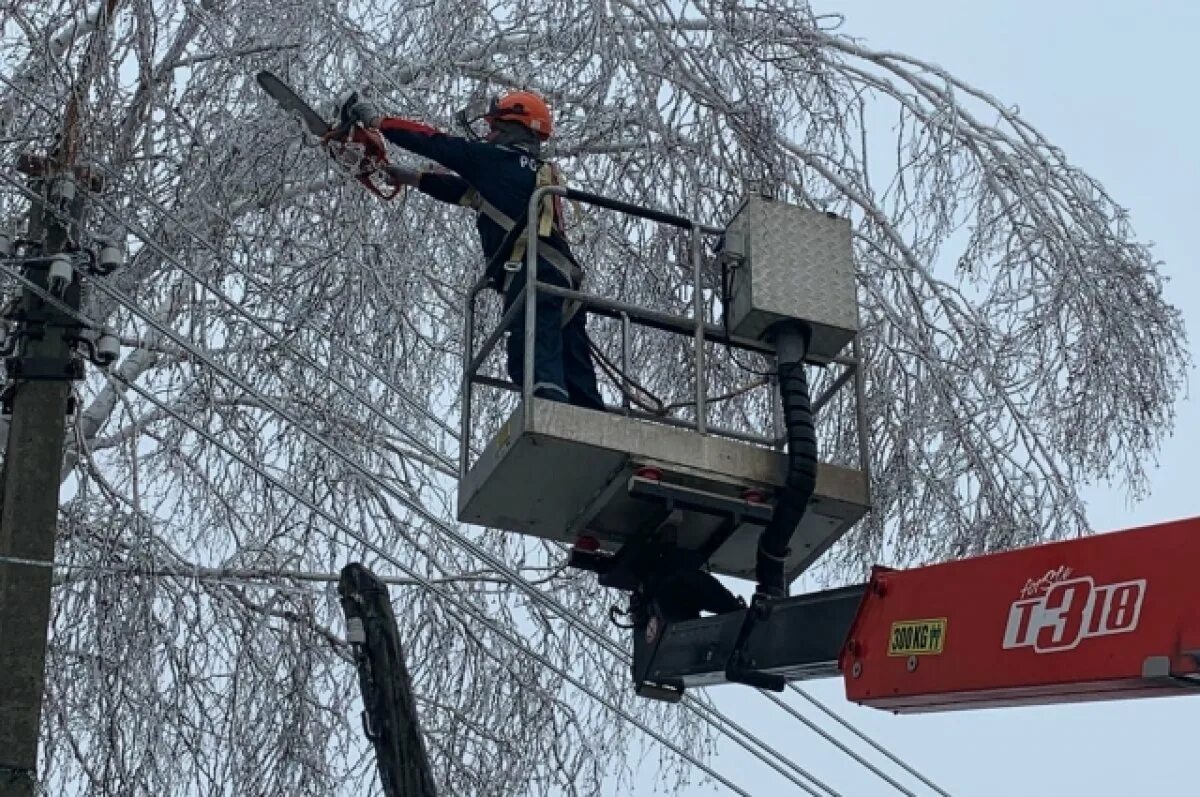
{"x":524,"y":108}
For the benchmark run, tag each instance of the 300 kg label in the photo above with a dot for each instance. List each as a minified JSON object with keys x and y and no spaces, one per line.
{"x":917,"y":637}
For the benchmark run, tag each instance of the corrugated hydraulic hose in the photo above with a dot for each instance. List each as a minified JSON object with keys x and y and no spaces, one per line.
{"x":791,"y":345}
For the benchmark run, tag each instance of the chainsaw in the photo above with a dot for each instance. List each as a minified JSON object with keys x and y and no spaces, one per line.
{"x":359,"y":151}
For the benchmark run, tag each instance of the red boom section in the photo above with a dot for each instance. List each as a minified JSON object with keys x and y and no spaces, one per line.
{"x":1111,"y":616}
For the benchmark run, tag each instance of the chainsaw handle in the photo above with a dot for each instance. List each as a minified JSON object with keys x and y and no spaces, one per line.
{"x":397,"y":176}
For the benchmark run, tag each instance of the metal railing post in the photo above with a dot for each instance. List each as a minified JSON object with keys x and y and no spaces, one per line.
{"x":530,"y":331}
{"x":531,"y":291}
{"x":860,"y":411}
{"x":776,"y":401}
{"x":464,"y":430}
{"x":625,"y":366}
{"x":698,"y":312}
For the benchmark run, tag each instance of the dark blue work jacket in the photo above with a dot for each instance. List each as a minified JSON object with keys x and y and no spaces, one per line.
{"x":495,"y":180}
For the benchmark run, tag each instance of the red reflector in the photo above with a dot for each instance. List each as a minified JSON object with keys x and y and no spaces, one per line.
{"x":587,"y":543}
{"x":653,"y":474}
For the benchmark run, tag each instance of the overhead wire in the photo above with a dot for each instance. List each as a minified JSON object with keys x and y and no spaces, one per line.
{"x":816,"y":729}
{"x":845,"y":723}
{"x":440,"y":591}
{"x":549,"y":602}
{"x":285,"y":345}
{"x":148,"y":240}
{"x":516,"y":579}
{"x":812,"y":726}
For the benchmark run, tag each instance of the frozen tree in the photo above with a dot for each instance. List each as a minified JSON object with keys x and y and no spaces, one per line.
{"x":1017,"y":341}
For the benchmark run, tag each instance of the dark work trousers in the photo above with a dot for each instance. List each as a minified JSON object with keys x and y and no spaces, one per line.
{"x":562,"y":360}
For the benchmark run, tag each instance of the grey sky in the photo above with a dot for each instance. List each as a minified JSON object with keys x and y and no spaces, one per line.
{"x":1114,"y":85}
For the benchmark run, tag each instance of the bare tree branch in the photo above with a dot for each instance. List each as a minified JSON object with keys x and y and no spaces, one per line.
{"x":1019,"y":346}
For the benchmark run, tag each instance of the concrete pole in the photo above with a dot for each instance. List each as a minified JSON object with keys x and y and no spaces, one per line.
{"x":41,"y":375}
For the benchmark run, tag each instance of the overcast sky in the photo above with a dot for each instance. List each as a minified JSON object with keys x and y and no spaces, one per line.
{"x":1115,"y":86}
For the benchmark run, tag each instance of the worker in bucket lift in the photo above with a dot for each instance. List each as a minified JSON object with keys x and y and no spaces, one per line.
{"x":496,"y":176}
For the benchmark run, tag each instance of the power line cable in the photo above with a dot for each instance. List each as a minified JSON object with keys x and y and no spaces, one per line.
{"x":516,"y":580}
{"x":812,"y":726}
{"x":845,"y":723}
{"x":551,"y":603}
{"x":428,"y":584}
{"x":283,"y":343}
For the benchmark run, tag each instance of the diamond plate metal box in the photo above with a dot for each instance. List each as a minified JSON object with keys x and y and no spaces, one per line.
{"x":790,"y":262}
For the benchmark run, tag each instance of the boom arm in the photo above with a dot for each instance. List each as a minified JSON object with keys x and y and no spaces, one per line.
{"x":1103,"y":617}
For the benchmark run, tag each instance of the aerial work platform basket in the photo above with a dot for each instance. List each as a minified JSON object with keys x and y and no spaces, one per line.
{"x":561,"y":472}
{"x":605,"y":479}
{"x":647,"y":501}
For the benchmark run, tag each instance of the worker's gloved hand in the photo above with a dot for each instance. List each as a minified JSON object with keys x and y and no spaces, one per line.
{"x":356,"y":108}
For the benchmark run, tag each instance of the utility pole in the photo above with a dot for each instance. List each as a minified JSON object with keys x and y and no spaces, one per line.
{"x":390,"y":711}
{"x":38,"y":398}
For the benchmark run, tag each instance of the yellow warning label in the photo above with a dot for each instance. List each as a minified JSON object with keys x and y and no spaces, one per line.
{"x":917,"y":637}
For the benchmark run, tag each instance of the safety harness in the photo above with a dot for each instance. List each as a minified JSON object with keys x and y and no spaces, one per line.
{"x":549,"y":218}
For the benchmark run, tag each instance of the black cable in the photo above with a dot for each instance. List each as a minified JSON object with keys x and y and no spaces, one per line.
{"x":726,"y":290}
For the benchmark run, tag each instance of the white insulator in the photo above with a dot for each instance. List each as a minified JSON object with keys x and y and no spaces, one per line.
{"x":61,"y":274}
{"x":110,"y":256}
{"x":64,"y":188}
{"x":356,"y":632}
{"x":108,"y":348}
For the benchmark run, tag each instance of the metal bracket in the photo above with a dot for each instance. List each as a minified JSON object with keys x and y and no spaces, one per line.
{"x":44,"y":369}
{"x":699,"y":500}
{"x":650,"y":628}
{"x":661,"y":692}
{"x":1160,"y":668}
{"x":369,"y":730}
{"x":654,"y":554}
{"x":796,"y":638}
{"x":740,"y":667}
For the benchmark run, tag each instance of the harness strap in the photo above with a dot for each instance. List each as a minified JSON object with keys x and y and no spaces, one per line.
{"x":549,"y":217}
{"x":546,"y":250}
